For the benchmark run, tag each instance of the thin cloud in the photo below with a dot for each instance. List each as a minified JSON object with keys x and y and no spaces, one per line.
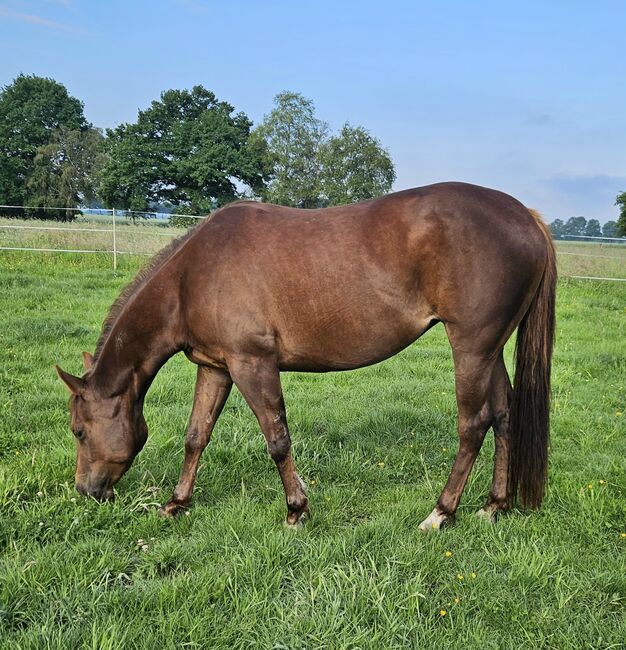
{"x":588,"y":184}
{"x":41,"y":21}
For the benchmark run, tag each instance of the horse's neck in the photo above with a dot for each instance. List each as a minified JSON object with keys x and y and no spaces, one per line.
{"x":143,"y":337}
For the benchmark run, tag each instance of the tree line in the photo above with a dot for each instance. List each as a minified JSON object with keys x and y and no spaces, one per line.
{"x":191,"y":152}
{"x":580,"y":227}
{"x":188,"y":151}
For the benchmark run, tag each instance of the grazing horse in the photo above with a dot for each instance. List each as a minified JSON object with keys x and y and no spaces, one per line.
{"x":257,"y":288}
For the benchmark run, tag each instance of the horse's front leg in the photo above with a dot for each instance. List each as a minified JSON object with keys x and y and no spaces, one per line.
{"x":212,"y":389}
{"x":258,"y":379}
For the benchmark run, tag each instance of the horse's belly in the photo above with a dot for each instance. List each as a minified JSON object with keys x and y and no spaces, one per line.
{"x":344,"y":344}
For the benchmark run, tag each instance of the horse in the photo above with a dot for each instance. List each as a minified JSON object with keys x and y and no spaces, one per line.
{"x":257,"y":289}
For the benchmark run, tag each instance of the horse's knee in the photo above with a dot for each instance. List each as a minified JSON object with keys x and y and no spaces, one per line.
{"x":195,"y":441}
{"x":279,"y":448}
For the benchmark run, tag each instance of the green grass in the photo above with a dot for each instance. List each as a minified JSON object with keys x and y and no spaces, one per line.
{"x":87,"y":232}
{"x":596,"y":260}
{"x":74,"y":573}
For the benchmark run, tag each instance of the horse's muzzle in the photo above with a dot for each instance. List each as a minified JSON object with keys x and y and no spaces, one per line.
{"x":103,"y":493}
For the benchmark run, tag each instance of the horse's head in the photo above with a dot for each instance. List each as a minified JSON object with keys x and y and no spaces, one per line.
{"x":109,"y":431}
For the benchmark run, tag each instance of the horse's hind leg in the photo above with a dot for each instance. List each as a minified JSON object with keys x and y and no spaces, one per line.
{"x":258,"y":379}
{"x":498,"y":499}
{"x":473,"y":380}
{"x":212,"y":389}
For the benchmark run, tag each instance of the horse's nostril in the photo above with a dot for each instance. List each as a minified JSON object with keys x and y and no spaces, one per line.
{"x":81,"y":489}
{"x":101,"y":493}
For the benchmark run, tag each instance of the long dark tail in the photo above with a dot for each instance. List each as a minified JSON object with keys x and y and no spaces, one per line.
{"x":530,"y":403}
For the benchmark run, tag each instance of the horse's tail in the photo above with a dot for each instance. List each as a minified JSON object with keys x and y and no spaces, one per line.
{"x":530,"y":403}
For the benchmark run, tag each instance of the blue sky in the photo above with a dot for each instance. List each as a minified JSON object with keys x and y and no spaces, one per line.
{"x":528,"y":97}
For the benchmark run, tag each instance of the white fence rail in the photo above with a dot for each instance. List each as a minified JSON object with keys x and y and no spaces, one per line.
{"x":115,"y":215}
{"x":121,"y":218}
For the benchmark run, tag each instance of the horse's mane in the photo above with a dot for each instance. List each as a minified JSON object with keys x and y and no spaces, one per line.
{"x":139,"y":280}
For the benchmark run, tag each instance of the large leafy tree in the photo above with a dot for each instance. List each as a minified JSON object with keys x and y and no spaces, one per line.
{"x":355,"y":167}
{"x":311,"y":168}
{"x":620,"y":227}
{"x":65,"y":171}
{"x":31,"y":109}
{"x":188,"y":149}
{"x":294,"y":137}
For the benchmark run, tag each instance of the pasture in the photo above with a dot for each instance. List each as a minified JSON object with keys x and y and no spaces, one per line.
{"x":374,"y":446}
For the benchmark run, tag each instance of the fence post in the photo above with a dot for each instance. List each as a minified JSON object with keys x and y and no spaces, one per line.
{"x":114,"y":244}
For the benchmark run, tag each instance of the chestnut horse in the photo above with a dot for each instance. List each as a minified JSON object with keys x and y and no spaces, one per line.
{"x":257,"y":288}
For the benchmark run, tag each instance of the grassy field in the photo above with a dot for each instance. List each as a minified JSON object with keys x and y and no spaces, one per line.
{"x":88,"y":233}
{"x":597,"y":260}
{"x":375,"y":447}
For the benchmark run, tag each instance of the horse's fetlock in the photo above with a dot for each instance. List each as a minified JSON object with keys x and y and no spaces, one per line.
{"x":296,"y":504}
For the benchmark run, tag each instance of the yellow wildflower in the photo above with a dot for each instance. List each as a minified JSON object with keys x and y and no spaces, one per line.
{"x":442,"y":612}
{"x":381,"y":464}
{"x":457,"y":600}
{"x":473,"y":575}
{"x":448,"y":553}
{"x":622,"y":535}
{"x":602,"y":482}
{"x":460,"y":576}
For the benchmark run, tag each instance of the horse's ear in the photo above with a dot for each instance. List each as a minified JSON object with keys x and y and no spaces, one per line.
{"x":75,"y":384}
{"x":87,"y":361}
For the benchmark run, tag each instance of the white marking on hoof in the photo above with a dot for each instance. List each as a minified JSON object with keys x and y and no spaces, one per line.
{"x":486,"y":515}
{"x":433,"y":522}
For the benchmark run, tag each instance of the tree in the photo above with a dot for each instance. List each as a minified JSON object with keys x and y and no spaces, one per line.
{"x":31,"y":109}
{"x":557,"y":227}
{"x":620,"y":226}
{"x":575,"y":226}
{"x":355,"y":167}
{"x":65,"y":171}
{"x":188,"y":149}
{"x":294,"y":137}
{"x":609,"y":229}
{"x":592,"y":229}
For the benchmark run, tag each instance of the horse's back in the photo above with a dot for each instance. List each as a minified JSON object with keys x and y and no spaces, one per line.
{"x":345,"y":286}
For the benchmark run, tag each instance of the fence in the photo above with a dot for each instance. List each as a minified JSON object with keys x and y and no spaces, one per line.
{"x":115,"y":217}
{"x":580,"y":257}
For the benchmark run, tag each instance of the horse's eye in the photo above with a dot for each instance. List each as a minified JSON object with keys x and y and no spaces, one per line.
{"x":80,"y":434}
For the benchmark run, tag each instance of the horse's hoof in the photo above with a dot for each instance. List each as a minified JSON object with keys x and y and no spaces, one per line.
{"x":435,"y":521}
{"x":171,"y":509}
{"x":486,"y":515}
{"x":492,"y":512}
{"x":298,"y":523}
